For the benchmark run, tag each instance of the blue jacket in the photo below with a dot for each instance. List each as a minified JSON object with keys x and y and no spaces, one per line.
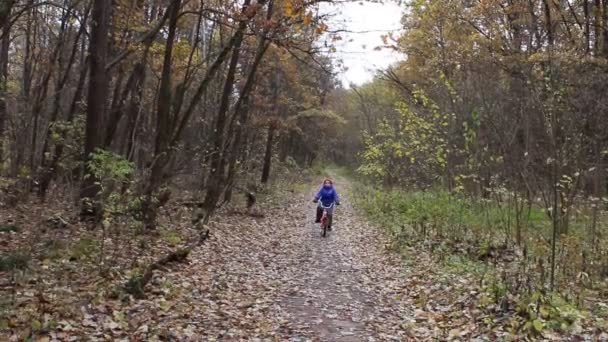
{"x":327,"y":196}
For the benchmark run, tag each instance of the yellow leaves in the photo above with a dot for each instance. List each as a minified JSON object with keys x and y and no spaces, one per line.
{"x":181,"y":56}
{"x":416,"y":137}
{"x":537,"y":57}
{"x":302,"y":18}
{"x":288,"y":8}
{"x":293,"y":8}
{"x":307,"y":19}
{"x":129,"y":18}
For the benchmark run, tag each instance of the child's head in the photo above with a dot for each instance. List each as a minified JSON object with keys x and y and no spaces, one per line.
{"x":327,"y":183}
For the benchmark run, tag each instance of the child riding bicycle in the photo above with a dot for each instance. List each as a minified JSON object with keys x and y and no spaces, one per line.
{"x":326,"y":197}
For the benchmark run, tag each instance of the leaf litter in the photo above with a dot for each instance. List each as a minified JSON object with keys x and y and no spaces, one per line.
{"x":271,"y":278}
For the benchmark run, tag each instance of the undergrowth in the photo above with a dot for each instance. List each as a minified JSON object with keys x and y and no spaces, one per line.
{"x":474,"y":238}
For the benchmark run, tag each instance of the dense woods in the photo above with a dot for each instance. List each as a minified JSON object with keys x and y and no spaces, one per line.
{"x":110,"y":110}
{"x":130,"y":128}
{"x":494,"y":125}
{"x":166,"y":86}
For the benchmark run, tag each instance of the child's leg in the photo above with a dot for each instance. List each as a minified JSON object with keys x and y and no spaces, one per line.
{"x":330,"y":216}
{"x":319,"y":214}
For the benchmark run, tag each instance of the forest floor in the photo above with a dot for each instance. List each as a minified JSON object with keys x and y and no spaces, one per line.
{"x":275,"y":278}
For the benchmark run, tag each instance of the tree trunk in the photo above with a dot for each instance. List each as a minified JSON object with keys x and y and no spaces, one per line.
{"x":548,"y":22}
{"x":5,"y":10}
{"x":76,"y":100}
{"x":132,"y":109}
{"x":284,"y":146}
{"x":97,"y":95}
{"x":597,"y":196}
{"x":241,"y":111}
{"x":268,"y":154}
{"x":216,"y":176}
{"x":119,"y":95}
{"x":27,"y":59}
{"x":61,"y":79}
{"x":587,"y":28}
{"x":213,"y":69}
{"x":163,"y":124}
{"x":597,"y":26}
{"x":605,"y":28}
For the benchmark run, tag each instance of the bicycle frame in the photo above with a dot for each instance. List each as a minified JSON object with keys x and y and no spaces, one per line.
{"x":325,"y":218}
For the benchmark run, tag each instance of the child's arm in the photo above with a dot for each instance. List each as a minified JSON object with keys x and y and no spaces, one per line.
{"x":317,"y":197}
{"x":337,"y":197}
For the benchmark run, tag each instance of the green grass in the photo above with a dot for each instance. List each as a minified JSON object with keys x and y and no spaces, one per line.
{"x":439,"y":214}
{"x":454,"y":221}
{"x":84,"y":248}
{"x":9,"y":228}
{"x":461,"y":264}
{"x":475,"y":238}
{"x":173,"y":238}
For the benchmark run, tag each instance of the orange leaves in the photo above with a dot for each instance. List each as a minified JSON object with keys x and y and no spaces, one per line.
{"x":307,"y":19}
{"x":321,"y":28}
{"x":297,"y":11}
{"x":288,"y":8}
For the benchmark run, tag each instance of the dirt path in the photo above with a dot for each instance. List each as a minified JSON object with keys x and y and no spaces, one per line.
{"x":343,"y":286}
{"x":273,"y":278}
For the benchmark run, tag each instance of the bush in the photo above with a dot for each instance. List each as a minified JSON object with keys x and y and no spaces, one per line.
{"x":14,"y":261}
{"x":115,"y":177}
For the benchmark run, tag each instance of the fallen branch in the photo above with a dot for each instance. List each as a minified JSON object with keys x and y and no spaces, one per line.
{"x":136,"y":285}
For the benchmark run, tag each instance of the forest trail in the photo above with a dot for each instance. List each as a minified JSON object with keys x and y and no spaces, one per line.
{"x":121,"y":122}
{"x":344,"y":287}
{"x":274,"y":278}
{"x":277,"y":278}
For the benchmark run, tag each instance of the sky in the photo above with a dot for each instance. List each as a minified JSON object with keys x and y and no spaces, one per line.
{"x":366,"y":23}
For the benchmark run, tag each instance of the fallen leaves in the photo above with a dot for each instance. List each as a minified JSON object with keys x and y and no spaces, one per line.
{"x":269,"y":278}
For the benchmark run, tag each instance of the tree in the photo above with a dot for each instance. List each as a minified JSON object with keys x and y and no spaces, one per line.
{"x":496,"y":101}
{"x":97,"y":91}
{"x":196,"y":67}
{"x":5,"y":11}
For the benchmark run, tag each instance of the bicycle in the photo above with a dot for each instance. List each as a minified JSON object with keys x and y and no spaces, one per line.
{"x":325,"y":219}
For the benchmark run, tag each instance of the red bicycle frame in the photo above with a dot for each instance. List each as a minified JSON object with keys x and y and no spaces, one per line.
{"x":325,"y":219}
